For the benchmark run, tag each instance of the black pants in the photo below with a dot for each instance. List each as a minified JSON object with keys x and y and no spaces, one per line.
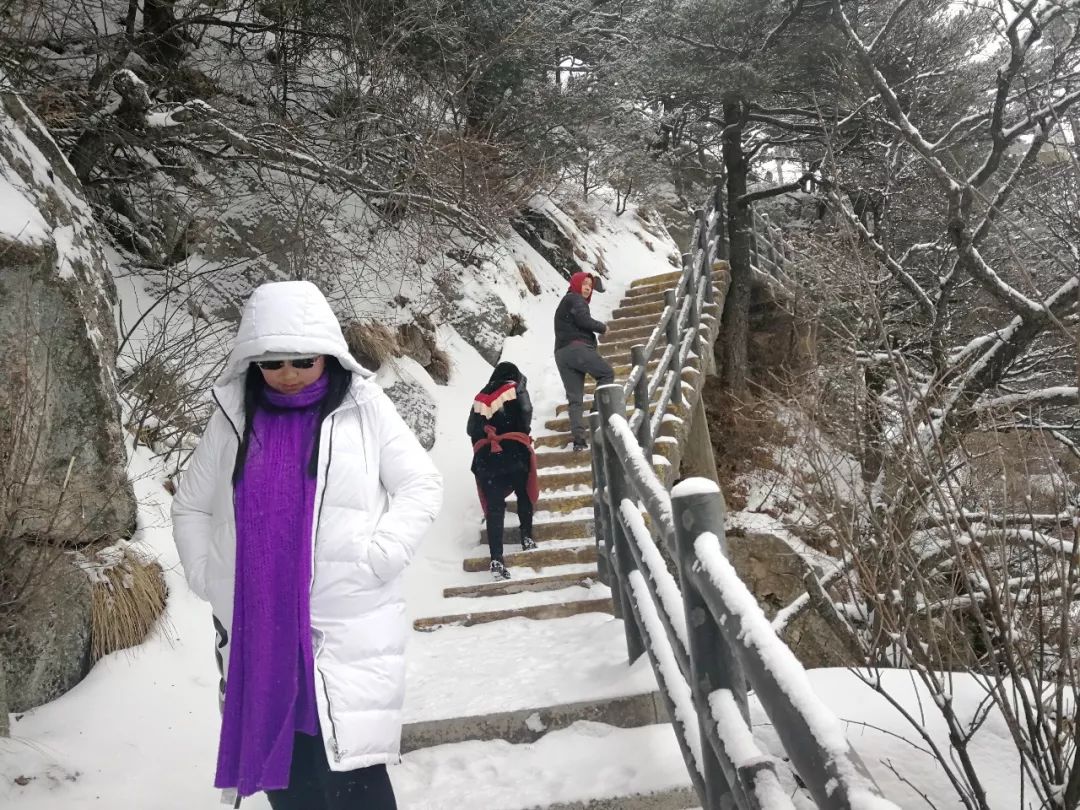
{"x":313,"y":786}
{"x":495,"y":492}
{"x":574,"y":362}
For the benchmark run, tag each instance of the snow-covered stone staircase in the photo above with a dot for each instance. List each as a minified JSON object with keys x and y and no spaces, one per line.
{"x":563,"y":522}
{"x":619,"y":750}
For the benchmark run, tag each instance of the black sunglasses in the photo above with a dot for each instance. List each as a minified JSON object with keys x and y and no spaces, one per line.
{"x":296,"y":362}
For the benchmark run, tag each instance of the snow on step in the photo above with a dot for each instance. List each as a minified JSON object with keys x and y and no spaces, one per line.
{"x":567,"y":768}
{"x":543,"y":556}
{"x":519,"y":664}
{"x":516,"y":593}
{"x":549,"y":582}
{"x":552,"y":610}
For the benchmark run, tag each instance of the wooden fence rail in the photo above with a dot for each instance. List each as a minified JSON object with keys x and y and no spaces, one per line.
{"x":704,"y":633}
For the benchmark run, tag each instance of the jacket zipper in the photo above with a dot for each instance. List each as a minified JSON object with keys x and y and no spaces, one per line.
{"x":314,"y":540}
{"x":225,"y":413}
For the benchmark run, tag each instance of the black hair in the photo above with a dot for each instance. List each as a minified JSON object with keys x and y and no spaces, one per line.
{"x":504,"y":372}
{"x":337,"y":389}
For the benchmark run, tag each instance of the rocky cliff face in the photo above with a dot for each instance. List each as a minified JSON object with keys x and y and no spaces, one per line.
{"x":59,"y":418}
{"x":63,"y":470}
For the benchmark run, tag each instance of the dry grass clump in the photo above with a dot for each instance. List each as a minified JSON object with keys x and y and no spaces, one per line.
{"x":128,"y":598}
{"x":372,"y":343}
{"x":527,"y":276}
{"x":440,"y":366}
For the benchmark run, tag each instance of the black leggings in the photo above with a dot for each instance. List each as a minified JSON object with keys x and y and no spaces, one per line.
{"x":313,"y":786}
{"x":495,"y":492}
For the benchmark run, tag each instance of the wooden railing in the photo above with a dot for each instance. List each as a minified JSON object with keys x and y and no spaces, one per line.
{"x":704,"y":633}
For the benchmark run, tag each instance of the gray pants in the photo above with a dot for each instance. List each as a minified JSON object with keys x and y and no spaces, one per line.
{"x":574,"y":362}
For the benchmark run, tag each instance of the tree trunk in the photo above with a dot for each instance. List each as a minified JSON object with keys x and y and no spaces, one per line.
{"x":164,"y":44}
{"x":736,"y":317}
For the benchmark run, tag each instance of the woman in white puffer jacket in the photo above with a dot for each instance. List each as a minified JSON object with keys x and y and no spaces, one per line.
{"x":305,"y":500}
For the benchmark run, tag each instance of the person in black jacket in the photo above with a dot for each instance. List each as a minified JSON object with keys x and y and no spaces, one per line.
{"x":575,"y":351}
{"x":503,"y":460}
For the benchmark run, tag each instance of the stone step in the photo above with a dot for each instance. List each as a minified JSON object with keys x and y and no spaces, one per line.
{"x":619,"y":351}
{"x":565,"y":478}
{"x":636,"y":768}
{"x":558,"y":610}
{"x":647,"y":290}
{"x":563,"y":458}
{"x":662,"y":278}
{"x":538,"y":558}
{"x":617,"y":334}
{"x":617,"y":325}
{"x":617,"y":356}
{"x":558,"y":503}
{"x":562,"y":407}
{"x":546,"y":531}
{"x":557,"y":440}
{"x":682,"y":798}
{"x":634,"y":310}
{"x":624,"y":325}
{"x":657,"y":293}
{"x":562,"y":423}
{"x":529,"y":725}
{"x":612,"y":348}
{"x":622,"y":372}
{"x":553,"y":582}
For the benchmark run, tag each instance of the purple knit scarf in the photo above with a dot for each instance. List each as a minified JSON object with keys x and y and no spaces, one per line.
{"x":270,"y":692}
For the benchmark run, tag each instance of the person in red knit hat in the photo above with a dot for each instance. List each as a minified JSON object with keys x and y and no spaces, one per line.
{"x":575,"y":351}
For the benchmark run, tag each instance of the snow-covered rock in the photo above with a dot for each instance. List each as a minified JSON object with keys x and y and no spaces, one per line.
{"x":64,"y":455}
{"x":773,"y":571}
{"x":58,"y":410}
{"x":483,"y":321}
{"x":48,"y":650}
{"x":417,"y":408}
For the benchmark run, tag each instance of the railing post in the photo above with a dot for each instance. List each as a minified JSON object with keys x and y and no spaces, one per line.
{"x":703,"y":229}
{"x":641,"y":400}
{"x":673,"y":340}
{"x":687,"y":260}
{"x":707,"y":273}
{"x":694,"y":326}
{"x":610,"y":400}
{"x":601,"y":514}
{"x":697,"y":507}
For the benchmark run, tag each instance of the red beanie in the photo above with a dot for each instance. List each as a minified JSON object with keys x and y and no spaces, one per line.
{"x":578,"y":280}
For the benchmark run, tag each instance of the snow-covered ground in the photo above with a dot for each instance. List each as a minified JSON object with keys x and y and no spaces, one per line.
{"x":140,"y":730}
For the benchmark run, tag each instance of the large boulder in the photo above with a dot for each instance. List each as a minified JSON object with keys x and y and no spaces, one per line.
{"x":59,"y":417}
{"x":417,"y":408}
{"x":773,"y":570}
{"x":45,"y":650}
{"x":483,"y":322}
{"x":547,"y":237}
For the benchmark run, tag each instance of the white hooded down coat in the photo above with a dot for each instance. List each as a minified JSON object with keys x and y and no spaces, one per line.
{"x":376,"y":495}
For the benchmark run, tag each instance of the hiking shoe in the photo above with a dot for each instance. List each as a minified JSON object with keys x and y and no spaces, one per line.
{"x":498,"y":571}
{"x":527,"y":544}
{"x":580,"y":444}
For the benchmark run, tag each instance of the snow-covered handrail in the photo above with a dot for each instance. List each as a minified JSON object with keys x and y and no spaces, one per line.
{"x":721,"y":644}
{"x":704,"y":633}
{"x":770,"y":253}
{"x":680,"y":324}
